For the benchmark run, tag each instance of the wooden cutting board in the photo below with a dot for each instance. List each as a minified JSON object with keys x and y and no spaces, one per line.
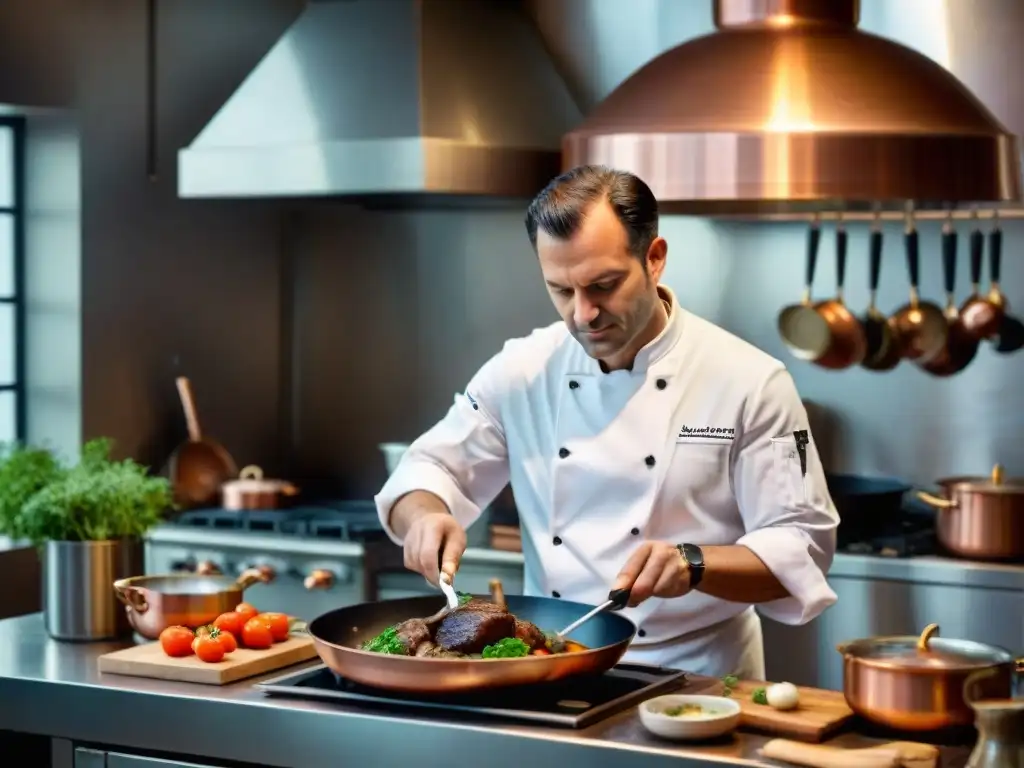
{"x":149,"y":660}
{"x":819,"y":715}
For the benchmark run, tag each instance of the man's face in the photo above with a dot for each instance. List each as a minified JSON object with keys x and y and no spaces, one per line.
{"x":602,"y":291}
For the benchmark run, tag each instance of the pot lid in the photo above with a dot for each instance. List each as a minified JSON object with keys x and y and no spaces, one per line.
{"x":251,"y":479}
{"x":994,"y":483}
{"x":926,"y":652}
{"x":788,"y":106}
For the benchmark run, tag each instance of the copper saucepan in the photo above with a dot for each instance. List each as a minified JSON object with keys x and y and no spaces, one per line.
{"x":918,"y":683}
{"x":801,"y":326}
{"x":250,"y":490}
{"x":982,"y":519}
{"x":154,"y":603}
{"x":847,"y":344}
{"x":920,"y":325}
{"x":961,"y":346}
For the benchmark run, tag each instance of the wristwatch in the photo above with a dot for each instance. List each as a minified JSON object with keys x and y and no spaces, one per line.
{"x":693,"y":556}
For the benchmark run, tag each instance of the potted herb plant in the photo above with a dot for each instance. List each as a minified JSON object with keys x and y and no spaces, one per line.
{"x":88,"y":520}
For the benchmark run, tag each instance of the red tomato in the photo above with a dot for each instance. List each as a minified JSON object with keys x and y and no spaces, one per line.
{"x":209,"y":649}
{"x":230,"y":622}
{"x":246,"y":611}
{"x":177,"y":641}
{"x":256,"y":634}
{"x":277,"y":623}
{"x":227,"y":640}
{"x":541,"y":652}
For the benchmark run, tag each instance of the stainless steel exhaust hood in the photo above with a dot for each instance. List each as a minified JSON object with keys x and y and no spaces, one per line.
{"x":390,"y":97}
{"x":788,"y":106}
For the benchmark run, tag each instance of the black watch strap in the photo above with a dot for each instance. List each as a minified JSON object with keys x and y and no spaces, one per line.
{"x":694,"y":557}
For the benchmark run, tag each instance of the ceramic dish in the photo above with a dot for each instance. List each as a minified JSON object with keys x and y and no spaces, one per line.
{"x":711,"y":716}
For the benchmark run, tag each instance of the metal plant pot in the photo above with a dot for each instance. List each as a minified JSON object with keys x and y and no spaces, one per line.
{"x":79,"y":602}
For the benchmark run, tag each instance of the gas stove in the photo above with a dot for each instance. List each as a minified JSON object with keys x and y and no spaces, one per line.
{"x":574,"y":703}
{"x":335,"y":520}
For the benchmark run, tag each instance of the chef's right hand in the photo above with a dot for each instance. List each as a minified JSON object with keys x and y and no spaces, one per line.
{"x":433,"y":539}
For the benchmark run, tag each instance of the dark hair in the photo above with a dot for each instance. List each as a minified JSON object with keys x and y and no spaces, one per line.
{"x":559,"y":208}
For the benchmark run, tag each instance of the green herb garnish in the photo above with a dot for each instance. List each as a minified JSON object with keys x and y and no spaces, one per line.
{"x":760,"y":696}
{"x":386,"y":642}
{"x":730,"y":682}
{"x":506,"y":648}
{"x":464,"y":598}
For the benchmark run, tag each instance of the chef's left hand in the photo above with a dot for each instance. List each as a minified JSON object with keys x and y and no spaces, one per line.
{"x":656,"y":569}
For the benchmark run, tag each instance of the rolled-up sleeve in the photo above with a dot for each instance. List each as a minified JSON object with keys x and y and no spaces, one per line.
{"x":789,"y":517}
{"x":463,"y":458}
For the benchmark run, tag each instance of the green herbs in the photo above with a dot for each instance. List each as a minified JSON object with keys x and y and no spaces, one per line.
{"x":760,"y":696}
{"x":730,"y":682}
{"x":24,"y":472}
{"x":386,"y":642}
{"x":464,"y":598}
{"x":98,"y":499}
{"x":507,"y":648}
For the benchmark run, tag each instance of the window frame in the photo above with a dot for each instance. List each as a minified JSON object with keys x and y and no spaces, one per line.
{"x":17,"y":299}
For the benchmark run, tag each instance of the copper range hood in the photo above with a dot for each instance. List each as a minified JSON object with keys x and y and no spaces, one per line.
{"x":789,"y":107}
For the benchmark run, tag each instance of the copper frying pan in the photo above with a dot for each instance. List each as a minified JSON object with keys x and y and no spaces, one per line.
{"x":981,"y":317}
{"x":961,"y":345}
{"x":802,"y":328}
{"x":1010,"y":335}
{"x":339,"y":635}
{"x":200,"y":466}
{"x":847,"y":344}
{"x":920,"y":325}
{"x":882,"y":346}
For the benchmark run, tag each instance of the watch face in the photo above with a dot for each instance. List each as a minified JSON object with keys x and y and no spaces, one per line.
{"x":692,"y":554}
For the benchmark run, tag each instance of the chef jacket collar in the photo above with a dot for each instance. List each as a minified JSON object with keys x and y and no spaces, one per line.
{"x":660,"y":345}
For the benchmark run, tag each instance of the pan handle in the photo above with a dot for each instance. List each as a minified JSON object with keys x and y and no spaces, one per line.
{"x":813,"y":238}
{"x":251,"y":576}
{"x":619,"y":599}
{"x":188,"y":404}
{"x":131,"y":597}
{"x":949,"y":244}
{"x":913,"y":262}
{"x":935,"y":501}
{"x":977,"y":254}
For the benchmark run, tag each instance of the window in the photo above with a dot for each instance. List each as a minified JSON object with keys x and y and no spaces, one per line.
{"x":12,"y":283}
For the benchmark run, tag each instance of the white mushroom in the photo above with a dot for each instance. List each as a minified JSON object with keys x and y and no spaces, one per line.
{"x":782,"y":696}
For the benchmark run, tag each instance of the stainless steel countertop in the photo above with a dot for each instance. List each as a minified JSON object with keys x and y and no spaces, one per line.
{"x":54,"y":689}
{"x":917,"y":570}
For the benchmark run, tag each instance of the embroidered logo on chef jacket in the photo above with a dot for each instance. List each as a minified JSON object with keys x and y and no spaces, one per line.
{"x":688,"y":434}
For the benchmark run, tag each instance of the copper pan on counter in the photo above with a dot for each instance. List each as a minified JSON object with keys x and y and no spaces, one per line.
{"x":340,"y":634}
{"x":980,"y":518}
{"x":923,"y":683}
{"x":154,"y":603}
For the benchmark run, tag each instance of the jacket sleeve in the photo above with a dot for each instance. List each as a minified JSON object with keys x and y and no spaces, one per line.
{"x":789,"y":517}
{"x":463,"y":458}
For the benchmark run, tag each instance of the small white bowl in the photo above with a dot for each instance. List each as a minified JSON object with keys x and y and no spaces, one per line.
{"x":721,"y":716}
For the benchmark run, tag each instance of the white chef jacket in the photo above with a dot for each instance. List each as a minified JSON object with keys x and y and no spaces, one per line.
{"x":694,"y":444}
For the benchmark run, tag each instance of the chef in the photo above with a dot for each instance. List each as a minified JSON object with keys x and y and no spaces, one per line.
{"x":646,"y":447}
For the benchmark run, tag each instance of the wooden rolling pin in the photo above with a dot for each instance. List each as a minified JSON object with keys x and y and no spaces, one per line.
{"x":895,"y":754}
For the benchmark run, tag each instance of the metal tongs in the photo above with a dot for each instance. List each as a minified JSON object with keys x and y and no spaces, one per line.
{"x":444,"y":580}
{"x":617,"y":598}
